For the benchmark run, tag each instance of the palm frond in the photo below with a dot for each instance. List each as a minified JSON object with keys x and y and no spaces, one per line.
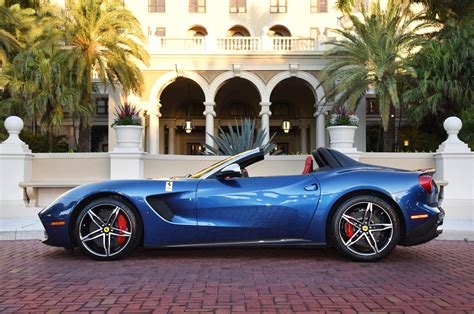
{"x":372,"y":52}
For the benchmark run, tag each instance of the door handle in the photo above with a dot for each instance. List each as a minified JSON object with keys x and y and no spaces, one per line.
{"x":311,"y":187}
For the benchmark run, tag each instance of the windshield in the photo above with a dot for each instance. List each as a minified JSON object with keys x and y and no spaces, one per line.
{"x":214,"y":166}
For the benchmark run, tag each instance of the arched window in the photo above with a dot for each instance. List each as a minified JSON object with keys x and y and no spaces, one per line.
{"x":196,"y":31}
{"x":238,"y":31}
{"x":279,"y":31}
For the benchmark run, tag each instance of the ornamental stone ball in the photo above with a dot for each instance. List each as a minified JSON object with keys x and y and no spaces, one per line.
{"x":13,"y":124}
{"x":452,"y":125}
{"x":13,"y":144}
{"x":453,"y":144}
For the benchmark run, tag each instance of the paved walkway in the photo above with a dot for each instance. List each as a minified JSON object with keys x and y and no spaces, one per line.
{"x":438,"y":276}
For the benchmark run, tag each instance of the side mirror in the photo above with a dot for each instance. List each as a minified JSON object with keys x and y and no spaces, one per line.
{"x":230,"y":171}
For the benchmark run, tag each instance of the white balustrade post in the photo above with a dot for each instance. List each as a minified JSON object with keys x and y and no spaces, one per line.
{"x":455,"y":163}
{"x":15,"y":162}
{"x":210,"y":114}
{"x":265,"y":114}
{"x":267,"y":41}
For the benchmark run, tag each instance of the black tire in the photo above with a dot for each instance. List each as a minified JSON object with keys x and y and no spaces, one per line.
{"x":361,"y":240}
{"x":95,"y":229}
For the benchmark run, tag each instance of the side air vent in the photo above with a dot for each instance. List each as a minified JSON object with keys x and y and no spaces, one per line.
{"x":160,"y":207}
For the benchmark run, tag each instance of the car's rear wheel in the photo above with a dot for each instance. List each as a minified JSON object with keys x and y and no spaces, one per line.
{"x":365,"y":228}
{"x":107,"y":229}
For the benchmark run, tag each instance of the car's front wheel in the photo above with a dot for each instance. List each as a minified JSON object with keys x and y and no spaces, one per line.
{"x":107,"y":229}
{"x":365,"y":228}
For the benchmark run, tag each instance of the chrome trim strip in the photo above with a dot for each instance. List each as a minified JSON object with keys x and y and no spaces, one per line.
{"x":259,"y":242}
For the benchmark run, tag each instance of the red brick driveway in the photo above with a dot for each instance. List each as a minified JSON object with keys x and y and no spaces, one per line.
{"x":435,"y":277}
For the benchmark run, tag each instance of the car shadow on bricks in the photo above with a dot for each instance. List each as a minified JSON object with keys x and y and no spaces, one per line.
{"x":301,"y":254}
{"x":400,"y":255}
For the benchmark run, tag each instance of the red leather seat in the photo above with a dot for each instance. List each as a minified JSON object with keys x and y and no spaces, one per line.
{"x":308,"y":165}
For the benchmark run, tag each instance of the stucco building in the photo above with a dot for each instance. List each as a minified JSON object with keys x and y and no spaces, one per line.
{"x":213,"y":62}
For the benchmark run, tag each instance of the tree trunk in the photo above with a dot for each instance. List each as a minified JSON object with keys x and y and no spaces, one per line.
{"x":84,"y":135}
{"x":50,"y":139}
{"x":389,"y":134}
{"x":74,"y":133}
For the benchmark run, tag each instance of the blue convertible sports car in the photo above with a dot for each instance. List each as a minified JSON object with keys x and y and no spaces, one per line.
{"x":362,"y":210}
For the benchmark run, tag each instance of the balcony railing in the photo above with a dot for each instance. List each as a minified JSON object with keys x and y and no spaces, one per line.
{"x":239,"y":44}
{"x":173,"y":44}
{"x":235,"y":44}
{"x":294,"y":43}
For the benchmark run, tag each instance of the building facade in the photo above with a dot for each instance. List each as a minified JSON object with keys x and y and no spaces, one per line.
{"x":213,"y":62}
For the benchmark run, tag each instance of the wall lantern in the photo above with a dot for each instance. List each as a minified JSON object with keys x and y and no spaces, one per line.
{"x":406,"y":143}
{"x":286,"y":126}
{"x":188,"y":126}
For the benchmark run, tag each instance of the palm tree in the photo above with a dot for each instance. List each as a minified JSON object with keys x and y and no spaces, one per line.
{"x":9,"y":42}
{"x":38,"y":81}
{"x":372,"y":53}
{"x":104,"y":40}
{"x":443,"y":11}
{"x":21,"y":30}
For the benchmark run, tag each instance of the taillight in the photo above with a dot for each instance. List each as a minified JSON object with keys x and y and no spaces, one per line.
{"x":426,"y":183}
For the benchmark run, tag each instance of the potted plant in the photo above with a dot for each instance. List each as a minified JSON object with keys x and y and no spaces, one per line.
{"x":342,"y":127}
{"x":128,"y":127}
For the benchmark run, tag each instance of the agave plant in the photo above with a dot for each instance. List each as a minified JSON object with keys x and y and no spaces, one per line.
{"x":239,"y":138}
{"x":127,"y":114}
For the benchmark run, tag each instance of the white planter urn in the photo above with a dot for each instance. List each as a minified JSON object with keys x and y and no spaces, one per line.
{"x":129,"y":138}
{"x":341,"y":137}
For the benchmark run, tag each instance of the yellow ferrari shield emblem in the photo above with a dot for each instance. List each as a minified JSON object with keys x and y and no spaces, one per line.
{"x":106,"y":229}
{"x":365,"y":228}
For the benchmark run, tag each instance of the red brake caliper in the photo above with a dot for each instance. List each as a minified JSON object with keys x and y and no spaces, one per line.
{"x":122,"y":225}
{"x":349,"y":230}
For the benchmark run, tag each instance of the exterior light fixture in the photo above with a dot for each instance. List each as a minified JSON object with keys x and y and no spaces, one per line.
{"x":286,"y":126}
{"x":406,"y":143}
{"x":188,"y":126}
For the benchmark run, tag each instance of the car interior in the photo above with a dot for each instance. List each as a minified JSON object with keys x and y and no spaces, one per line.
{"x":320,"y":159}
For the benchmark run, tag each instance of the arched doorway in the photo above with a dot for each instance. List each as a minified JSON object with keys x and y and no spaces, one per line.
{"x":182,"y":120}
{"x":237,"y":98}
{"x":292,"y":106}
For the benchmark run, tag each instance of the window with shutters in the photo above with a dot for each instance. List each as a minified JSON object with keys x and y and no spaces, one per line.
{"x":319,"y":6}
{"x":237,"y":6}
{"x":197,"y":6}
{"x":278,"y":6}
{"x":156,"y":6}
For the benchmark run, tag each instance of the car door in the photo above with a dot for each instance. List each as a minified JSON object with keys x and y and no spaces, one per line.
{"x":251,"y":209}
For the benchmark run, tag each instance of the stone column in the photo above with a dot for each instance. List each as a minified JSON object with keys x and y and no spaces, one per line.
{"x":303,"y":139}
{"x":455,"y":163}
{"x":265,"y":114}
{"x":171,"y":137}
{"x":154,"y":128}
{"x":320,"y":126}
{"x":210,"y":114}
{"x":15,"y":163}
{"x":162,"y":138}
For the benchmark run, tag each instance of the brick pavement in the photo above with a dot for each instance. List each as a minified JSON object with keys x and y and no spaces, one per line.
{"x":435,"y":277}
